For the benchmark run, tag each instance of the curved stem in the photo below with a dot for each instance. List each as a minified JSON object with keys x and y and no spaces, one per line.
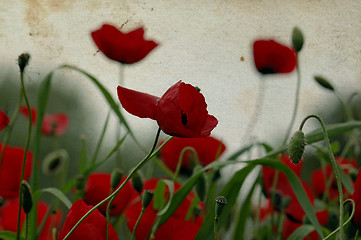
{"x":296,"y":102}
{"x":333,"y":164}
{"x":180,"y":160}
{"x":151,"y":154}
{"x":138,"y":221}
{"x":25,"y":151}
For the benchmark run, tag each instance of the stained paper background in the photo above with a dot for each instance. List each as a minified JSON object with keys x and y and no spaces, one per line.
{"x":205,"y":43}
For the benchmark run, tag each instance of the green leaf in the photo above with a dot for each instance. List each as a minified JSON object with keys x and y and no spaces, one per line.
{"x":301,"y":232}
{"x":107,"y":96}
{"x":7,"y":235}
{"x":243,"y":215}
{"x":159,"y":198}
{"x":230,"y":192}
{"x":57,"y":193}
{"x":296,"y":187}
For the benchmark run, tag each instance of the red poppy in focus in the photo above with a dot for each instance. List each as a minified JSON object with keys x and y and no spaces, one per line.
{"x":289,"y":226}
{"x":94,"y":227}
{"x":122,"y":47}
{"x":4,"y":120}
{"x":181,"y":111}
{"x":9,"y":218}
{"x":53,"y":124}
{"x":271,"y":57}
{"x":208,"y":149}
{"x":318,"y":178}
{"x":98,"y":187}
{"x":356,"y":196}
{"x":294,"y":208}
{"x":24,"y":111}
{"x":176,"y":227}
{"x":10,"y":170}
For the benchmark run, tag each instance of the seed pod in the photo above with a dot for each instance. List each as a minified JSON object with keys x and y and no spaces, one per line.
{"x":297,"y":146}
{"x":23,"y":61}
{"x":147,"y":198}
{"x":27,"y":202}
{"x":297,"y":39}
{"x":137,"y":182}
{"x":220,"y":203}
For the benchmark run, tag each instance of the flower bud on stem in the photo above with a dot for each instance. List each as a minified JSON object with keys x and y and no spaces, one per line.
{"x":220,"y":203}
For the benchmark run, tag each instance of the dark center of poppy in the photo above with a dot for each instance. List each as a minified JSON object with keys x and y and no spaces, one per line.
{"x":267,"y":70}
{"x":184,"y":118}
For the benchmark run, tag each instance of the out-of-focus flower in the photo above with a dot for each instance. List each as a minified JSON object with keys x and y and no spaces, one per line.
{"x":98,"y":187}
{"x":122,"y":47}
{"x":53,"y":124}
{"x":181,"y":111}
{"x":289,"y":225}
{"x":356,"y":196}
{"x":4,"y":120}
{"x":318,"y":178}
{"x":207,"y":148}
{"x":10,"y":170}
{"x":284,"y":188}
{"x":9,"y":218}
{"x":270,"y":57}
{"x":176,"y":227}
{"x":92,"y":228}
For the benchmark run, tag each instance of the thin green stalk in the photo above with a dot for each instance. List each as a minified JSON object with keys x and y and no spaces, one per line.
{"x":135,"y":169}
{"x":295,"y":108}
{"x":333,"y":164}
{"x":100,"y":141}
{"x":281,"y":217}
{"x":26,"y":226}
{"x":137,"y":223}
{"x":118,"y":158}
{"x":273,"y":194}
{"x":215,"y":228}
{"x":25,"y":151}
{"x":180,"y":160}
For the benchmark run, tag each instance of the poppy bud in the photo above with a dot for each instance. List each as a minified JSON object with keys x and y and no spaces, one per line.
{"x":23,"y":61}
{"x":286,"y":200}
{"x":297,"y":146}
{"x":79,"y":182}
{"x":117,"y":175}
{"x":220,"y":203}
{"x":137,"y":182}
{"x":147,"y":198}
{"x":27,"y":197}
{"x":323,"y":82}
{"x":53,"y":162}
{"x":297,"y":39}
{"x":201,"y":184}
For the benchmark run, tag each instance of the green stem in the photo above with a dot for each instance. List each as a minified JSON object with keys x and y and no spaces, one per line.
{"x":333,"y":164}
{"x":26,"y":226}
{"x":25,"y":151}
{"x":135,"y":169}
{"x":138,"y":221}
{"x":296,"y":102}
{"x":215,"y":228}
{"x":180,"y":160}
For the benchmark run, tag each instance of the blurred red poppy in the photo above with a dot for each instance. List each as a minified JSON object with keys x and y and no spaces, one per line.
{"x":176,"y":227}
{"x":98,"y":187}
{"x":92,"y":228}
{"x":53,"y":124}
{"x":208,"y":149}
{"x":270,"y":57}
{"x":9,"y":218}
{"x":356,"y":196}
{"x":319,"y":179}
{"x":10,"y":170}
{"x":4,"y":120}
{"x":122,"y":47}
{"x":181,"y":111}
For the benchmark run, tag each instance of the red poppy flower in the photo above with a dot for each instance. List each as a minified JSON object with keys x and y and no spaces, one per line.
{"x":9,"y":218}
{"x":53,"y":124}
{"x":24,"y":111}
{"x":4,"y":120}
{"x":356,"y":196}
{"x":318,"y":178}
{"x":284,"y":188}
{"x":176,"y":227}
{"x":271,"y":57}
{"x":289,"y":225}
{"x":94,"y":227}
{"x":181,"y":111}
{"x":98,"y":187}
{"x":208,"y":149}
{"x":10,"y":170}
{"x":122,"y":47}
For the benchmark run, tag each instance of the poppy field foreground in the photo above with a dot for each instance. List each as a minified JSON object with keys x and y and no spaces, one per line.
{"x":185,"y":187}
